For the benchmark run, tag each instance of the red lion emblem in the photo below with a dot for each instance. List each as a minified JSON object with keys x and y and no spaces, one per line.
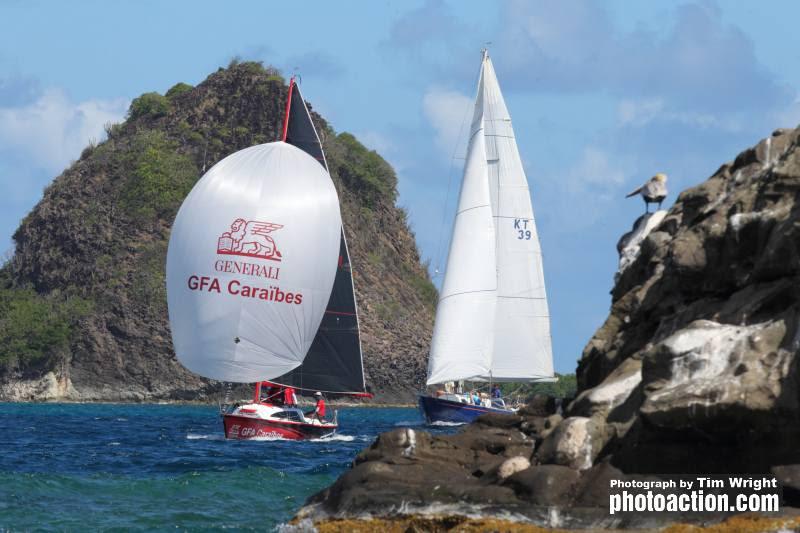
{"x":250,"y":238}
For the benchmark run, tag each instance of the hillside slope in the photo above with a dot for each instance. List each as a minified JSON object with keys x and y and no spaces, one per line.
{"x":83,"y":311}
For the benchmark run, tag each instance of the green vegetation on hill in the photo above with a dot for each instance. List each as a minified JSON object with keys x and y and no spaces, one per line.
{"x":33,"y":327}
{"x":158,"y":177}
{"x":151,"y":105}
{"x":565,"y":387}
{"x":362,"y":170}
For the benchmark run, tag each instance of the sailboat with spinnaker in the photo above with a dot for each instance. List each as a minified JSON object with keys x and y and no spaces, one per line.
{"x":492,"y":321}
{"x":259,"y":286}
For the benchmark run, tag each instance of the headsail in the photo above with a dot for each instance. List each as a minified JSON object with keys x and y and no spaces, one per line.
{"x":461,"y":347}
{"x":492,"y":321}
{"x":334,"y":362}
{"x":251,"y":264}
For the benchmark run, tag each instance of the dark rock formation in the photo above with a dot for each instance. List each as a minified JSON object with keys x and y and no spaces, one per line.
{"x":100,"y":233}
{"x":695,"y":371}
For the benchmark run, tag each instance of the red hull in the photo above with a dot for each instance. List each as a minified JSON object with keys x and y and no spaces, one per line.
{"x":245,"y":427}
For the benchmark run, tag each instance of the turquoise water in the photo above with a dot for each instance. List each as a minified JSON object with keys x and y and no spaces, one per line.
{"x":163,"y":467}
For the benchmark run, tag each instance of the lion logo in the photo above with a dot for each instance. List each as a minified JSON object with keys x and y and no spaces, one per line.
{"x":250,"y":238}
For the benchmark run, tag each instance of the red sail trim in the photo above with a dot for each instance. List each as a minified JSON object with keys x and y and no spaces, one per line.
{"x":288,"y":109}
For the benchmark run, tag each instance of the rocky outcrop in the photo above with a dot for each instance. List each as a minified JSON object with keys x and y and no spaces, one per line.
{"x":99,"y":235}
{"x":704,"y":327}
{"x":695,"y":370}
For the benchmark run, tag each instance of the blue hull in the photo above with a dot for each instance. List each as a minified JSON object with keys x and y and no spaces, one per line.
{"x":440,"y":410}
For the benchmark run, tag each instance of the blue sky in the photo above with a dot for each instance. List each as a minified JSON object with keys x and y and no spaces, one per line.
{"x":602,"y":95}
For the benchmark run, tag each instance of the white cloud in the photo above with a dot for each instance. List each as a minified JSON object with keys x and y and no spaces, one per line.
{"x":594,"y":169}
{"x":789,"y":117}
{"x":449,"y":114}
{"x":377,"y":141}
{"x":53,"y":130}
{"x":640,"y":113}
{"x":584,"y":193}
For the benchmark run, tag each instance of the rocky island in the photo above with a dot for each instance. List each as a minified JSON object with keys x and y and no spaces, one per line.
{"x":83,"y":299}
{"x":695,"y":371}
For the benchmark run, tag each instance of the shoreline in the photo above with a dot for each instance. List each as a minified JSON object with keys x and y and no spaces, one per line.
{"x":332,"y":403}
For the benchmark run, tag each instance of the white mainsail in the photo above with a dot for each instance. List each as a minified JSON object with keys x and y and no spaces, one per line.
{"x":251,"y":263}
{"x":513,"y":317}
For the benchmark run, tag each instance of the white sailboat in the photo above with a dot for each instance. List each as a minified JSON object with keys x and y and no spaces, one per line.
{"x":492,"y":319}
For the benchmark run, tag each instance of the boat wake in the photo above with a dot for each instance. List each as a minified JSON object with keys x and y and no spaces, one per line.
{"x":335,"y":437}
{"x":211,"y":436}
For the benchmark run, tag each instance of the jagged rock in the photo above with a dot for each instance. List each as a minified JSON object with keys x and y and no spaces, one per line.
{"x":540,"y":405}
{"x":550,"y":423}
{"x":709,"y":311}
{"x":789,"y":478}
{"x":629,"y":244}
{"x":613,"y":391}
{"x":552,"y":485}
{"x":711,"y":375}
{"x":511,"y":466}
{"x":573,"y":443}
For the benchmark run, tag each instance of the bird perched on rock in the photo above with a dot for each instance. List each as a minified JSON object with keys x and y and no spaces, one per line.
{"x":654,"y":191}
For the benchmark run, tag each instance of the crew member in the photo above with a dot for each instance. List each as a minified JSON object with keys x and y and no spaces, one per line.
{"x":319,"y":409}
{"x":496,"y":392}
{"x":289,"y":397}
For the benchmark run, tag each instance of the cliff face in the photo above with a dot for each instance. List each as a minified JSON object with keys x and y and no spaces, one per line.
{"x":695,"y":371}
{"x":94,"y":248}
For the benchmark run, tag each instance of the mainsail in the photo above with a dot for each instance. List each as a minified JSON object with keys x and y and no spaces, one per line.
{"x":334,"y":362}
{"x":251,"y":264}
{"x":501,"y":331}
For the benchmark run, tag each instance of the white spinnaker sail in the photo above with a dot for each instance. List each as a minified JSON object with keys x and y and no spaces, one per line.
{"x":522,"y":344}
{"x":251,"y":263}
{"x":461,"y":347}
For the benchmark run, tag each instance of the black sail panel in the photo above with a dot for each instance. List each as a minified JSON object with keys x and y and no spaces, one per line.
{"x":334,"y":361}
{"x":299,"y":130}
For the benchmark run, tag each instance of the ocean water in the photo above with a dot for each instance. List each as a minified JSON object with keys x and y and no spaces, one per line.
{"x":80,"y":467}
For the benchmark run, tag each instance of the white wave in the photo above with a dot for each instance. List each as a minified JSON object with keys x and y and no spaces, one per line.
{"x":212,"y":436}
{"x":336,"y":437}
{"x":403,"y":423}
{"x":446,"y":424}
{"x":113,"y":443}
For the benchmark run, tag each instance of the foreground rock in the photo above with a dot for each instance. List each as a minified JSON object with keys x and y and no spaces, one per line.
{"x":695,"y":371}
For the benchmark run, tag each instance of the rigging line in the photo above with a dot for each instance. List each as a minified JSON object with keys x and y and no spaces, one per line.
{"x":465,"y":292}
{"x":453,"y":158}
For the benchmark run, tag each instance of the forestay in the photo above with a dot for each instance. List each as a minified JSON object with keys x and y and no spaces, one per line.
{"x":251,"y":263}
